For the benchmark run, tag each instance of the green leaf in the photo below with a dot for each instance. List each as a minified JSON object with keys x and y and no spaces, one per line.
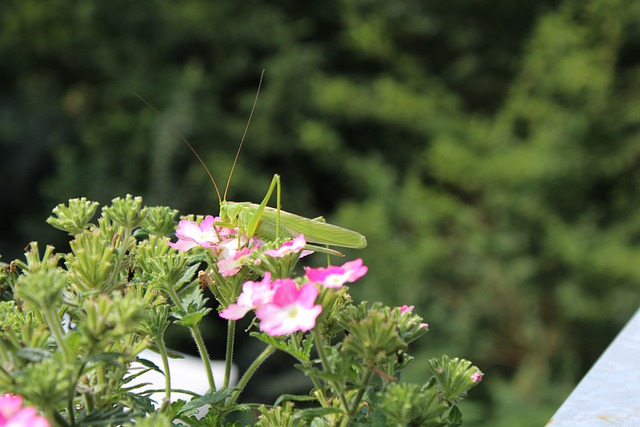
{"x":209,"y":398}
{"x":455,"y":417}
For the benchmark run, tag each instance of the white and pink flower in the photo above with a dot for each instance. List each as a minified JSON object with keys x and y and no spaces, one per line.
{"x":281,"y":306}
{"x":292,"y":309}
{"x":254,"y":294}
{"x":292,"y":246}
{"x":335,"y":277}
{"x":191,"y":234}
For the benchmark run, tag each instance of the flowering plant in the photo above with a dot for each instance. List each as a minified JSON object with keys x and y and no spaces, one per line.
{"x":74,"y":323}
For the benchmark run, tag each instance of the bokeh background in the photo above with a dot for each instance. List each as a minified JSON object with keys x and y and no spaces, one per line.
{"x":489,"y":150}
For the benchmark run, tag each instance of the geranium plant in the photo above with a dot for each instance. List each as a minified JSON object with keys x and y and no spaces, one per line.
{"x":72,"y":324}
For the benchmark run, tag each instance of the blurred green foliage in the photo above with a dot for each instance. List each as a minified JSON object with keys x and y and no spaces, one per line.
{"x":488,"y":150}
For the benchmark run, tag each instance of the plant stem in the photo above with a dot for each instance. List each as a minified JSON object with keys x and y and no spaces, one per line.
{"x":197,"y":337}
{"x":204,"y":355}
{"x":57,"y":332}
{"x":231,"y":331}
{"x":167,"y":374}
{"x":325,"y":364}
{"x":60,"y":421}
{"x":72,"y":417}
{"x":4,"y":355}
{"x":250,"y":371}
{"x":358,"y":398}
{"x":124,"y":240}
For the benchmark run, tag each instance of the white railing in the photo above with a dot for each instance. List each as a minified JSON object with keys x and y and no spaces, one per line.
{"x":608,"y":395}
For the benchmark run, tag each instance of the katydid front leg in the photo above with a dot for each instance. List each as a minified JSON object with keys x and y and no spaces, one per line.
{"x":255,"y":219}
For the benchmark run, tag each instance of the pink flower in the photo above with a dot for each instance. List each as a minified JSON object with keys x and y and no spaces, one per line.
{"x":253,"y":294}
{"x":190,"y":234}
{"x":477,"y":377}
{"x":290,"y":310}
{"x":228,"y":247}
{"x":12,"y":414}
{"x":335,"y":277}
{"x":292,"y":246}
{"x":10,"y":404}
{"x":406,"y":309}
{"x":232,"y":260}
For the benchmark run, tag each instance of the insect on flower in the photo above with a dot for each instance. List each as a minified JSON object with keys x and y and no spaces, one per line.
{"x":269,"y":223}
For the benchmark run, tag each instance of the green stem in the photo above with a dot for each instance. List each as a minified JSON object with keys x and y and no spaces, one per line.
{"x":197,"y":337}
{"x":57,"y":332}
{"x":88,"y":402}
{"x":5,"y":374}
{"x":250,"y":371}
{"x":167,"y":374}
{"x":60,"y":421}
{"x":124,"y":240}
{"x":325,"y":365}
{"x":86,"y":396}
{"x":358,"y":399}
{"x":204,"y":355}
{"x":231,"y":330}
{"x":72,"y":417}
{"x":4,"y":355}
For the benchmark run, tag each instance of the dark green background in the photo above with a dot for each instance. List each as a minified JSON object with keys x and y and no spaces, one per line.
{"x":489,"y":150}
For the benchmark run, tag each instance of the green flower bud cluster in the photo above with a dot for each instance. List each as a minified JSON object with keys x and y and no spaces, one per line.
{"x":434,"y":403}
{"x":73,"y":323}
{"x":73,"y":218}
{"x":374,"y":339}
{"x":412,"y":404}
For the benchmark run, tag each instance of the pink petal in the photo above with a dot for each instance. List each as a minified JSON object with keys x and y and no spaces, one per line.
{"x":335,"y":277}
{"x":406,"y":309}
{"x":183,"y":245}
{"x":10,"y":404}
{"x":307,"y":295}
{"x":292,"y":246}
{"x":235,"y":311}
{"x":286,"y":292}
{"x":476,"y":377}
{"x":292,"y":309}
{"x":277,"y":321}
{"x":27,"y":417}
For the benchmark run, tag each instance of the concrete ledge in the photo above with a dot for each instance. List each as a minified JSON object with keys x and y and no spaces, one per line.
{"x":609,"y":394}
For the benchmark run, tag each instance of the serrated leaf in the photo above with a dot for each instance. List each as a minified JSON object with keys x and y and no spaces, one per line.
{"x":455,"y":417}
{"x":209,"y":398}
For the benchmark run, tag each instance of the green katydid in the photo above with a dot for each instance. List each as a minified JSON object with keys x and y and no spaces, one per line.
{"x":269,"y":223}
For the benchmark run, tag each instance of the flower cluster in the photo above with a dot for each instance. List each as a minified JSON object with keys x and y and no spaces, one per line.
{"x":13,"y":414}
{"x":282,"y":305}
{"x":230,"y":247}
